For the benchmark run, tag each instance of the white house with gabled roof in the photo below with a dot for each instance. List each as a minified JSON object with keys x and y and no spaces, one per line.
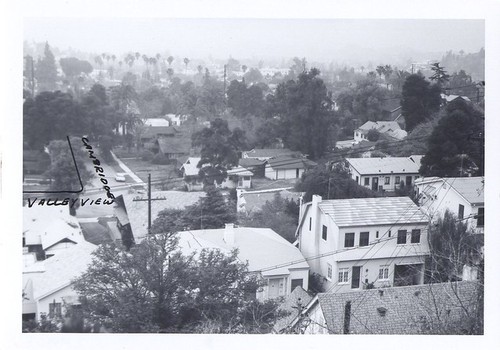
{"x":268,"y":254}
{"x":384,"y":173}
{"x":354,"y":243}
{"x":463,"y":196}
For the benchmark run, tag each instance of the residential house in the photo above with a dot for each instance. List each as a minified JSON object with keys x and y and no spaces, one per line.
{"x":420,"y":309}
{"x":149,"y":135}
{"x":287,"y":167}
{"x":253,"y":201}
{"x":48,"y":230}
{"x":190,"y":172}
{"x":463,"y":196}
{"x":156,"y":122}
{"x":237,"y":177}
{"x":47,"y":284}
{"x":450,"y":98}
{"x":389,"y":130}
{"x":268,"y":254}
{"x":255,"y":165}
{"x":364,"y":242}
{"x":175,"y":119}
{"x":385,"y":173}
{"x":131,"y":211}
{"x":174,"y":147}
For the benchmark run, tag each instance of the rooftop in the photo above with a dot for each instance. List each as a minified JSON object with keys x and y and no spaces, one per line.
{"x":372,"y":211}
{"x":398,"y":310}
{"x":298,"y":298}
{"x":156,"y":122}
{"x":57,"y":272}
{"x":471,"y":188}
{"x":239,"y":171}
{"x":190,"y":166}
{"x":252,"y":201}
{"x":48,"y":225}
{"x":175,"y":145}
{"x":386,"y":165}
{"x":262,"y":248}
{"x":290,"y":162}
{"x":153,"y":131}
{"x":268,"y":152}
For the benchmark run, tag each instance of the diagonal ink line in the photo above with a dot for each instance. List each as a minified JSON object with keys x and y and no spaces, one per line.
{"x":77,"y":172}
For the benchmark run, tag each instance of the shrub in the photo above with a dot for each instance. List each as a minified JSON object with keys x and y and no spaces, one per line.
{"x":147,"y":155}
{"x":161,"y":159}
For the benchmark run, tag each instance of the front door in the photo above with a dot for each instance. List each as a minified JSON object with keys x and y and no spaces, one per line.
{"x":375,"y":183}
{"x":356,"y":275}
{"x":274,"y":287}
{"x":408,"y":181}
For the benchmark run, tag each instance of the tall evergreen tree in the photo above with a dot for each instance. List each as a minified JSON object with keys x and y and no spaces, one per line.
{"x":46,"y":71}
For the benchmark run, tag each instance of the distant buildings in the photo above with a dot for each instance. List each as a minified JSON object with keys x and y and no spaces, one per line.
{"x":385,"y":173}
{"x":389,"y":130}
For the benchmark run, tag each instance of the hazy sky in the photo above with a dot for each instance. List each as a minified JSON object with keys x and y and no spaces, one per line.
{"x":317,"y":39}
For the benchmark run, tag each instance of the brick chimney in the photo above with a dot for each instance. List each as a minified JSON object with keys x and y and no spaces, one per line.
{"x":229,"y":234}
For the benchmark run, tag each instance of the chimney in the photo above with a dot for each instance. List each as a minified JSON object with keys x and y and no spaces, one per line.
{"x":229,"y":234}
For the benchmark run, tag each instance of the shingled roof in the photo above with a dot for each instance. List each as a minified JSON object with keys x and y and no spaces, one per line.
{"x":372,"y":211}
{"x":398,"y":310}
{"x":386,"y":165}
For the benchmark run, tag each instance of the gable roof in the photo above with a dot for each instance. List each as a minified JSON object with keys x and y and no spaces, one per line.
{"x":450,"y":98}
{"x":251,"y":163}
{"x":470,"y":188}
{"x":372,"y":211}
{"x":156,"y":122}
{"x":389,"y":128}
{"x":136,"y":212}
{"x":190,"y":166}
{"x":268,"y":152}
{"x":58,"y":271}
{"x":174,"y":145}
{"x":262,"y":248}
{"x":48,"y":225}
{"x":239,"y":171}
{"x":406,"y":310}
{"x":154,"y":131}
{"x":290,"y":162}
{"x":386,"y":165}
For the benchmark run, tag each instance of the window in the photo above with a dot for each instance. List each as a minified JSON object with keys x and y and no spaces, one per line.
{"x":297,"y":283}
{"x":383,"y":273}
{"x":397,"y":180}
{"x":357,"y":179}
{"x":389,"y":233}
{"x":367,"y":181}
{"x":387,"y":180}
{"x":460,"y":211}
{"x":402,"y":237}
{"x":364,"y":238}
{"x":376,"y":234}
{"x":343,"y":275}
{"x":329,"y":272}
{"x":324,"y":234}
{"x":415,"y":236}
{"x":349,"y":240}
{"x":480,"y":217}
{"x":310,"y":223}
{"x":55,"y":310}
{"x":246,"y":178}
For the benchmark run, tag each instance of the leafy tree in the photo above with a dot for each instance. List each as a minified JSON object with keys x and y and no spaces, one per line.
{"x":219,"y":149}
{"x":51,"y":116}
{"x":275,"y":215}
{"x":44,"y":325}
{"x":334,"y":183}
{"x":212,"y":211}
{"x":373,"y":135}
{"x":253,"y":76}
{"x":73,"y":67}
{"x":154,"y":288}
{"x":419,"y":100}
{"x":233,"y":65}
{"x":439,"y":75}
{"x":452,"y":245}
{"x":46,"y":71}
{"x":303,"y":109}
{"x":186,"y":62}
{"x":245,"y":100}
{"x":456,"y":145}
{"x":170,"y":59}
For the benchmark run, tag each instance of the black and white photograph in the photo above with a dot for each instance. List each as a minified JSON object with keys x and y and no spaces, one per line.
{"x":252,"y":175}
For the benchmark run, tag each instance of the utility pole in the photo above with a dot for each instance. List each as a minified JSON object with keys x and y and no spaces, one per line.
{"x":149,"y":200}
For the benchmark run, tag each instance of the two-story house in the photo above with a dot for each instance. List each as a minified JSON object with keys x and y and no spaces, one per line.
{"x":463,"y":196}
{"x":384,"y":173}
{"x":364,"y":242}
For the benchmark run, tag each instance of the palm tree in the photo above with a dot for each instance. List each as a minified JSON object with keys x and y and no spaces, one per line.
{"x":244,"y":68}
{"x":380,"y":70}
{"x":170,"y":59}
{"x":186,"y":62}
{"x":158,"y":56}
{"x":170,"y":73}
{"x":137,"y":55}
{"x":113,"y":58}
{"x":120,"y":63}
{"x":200,"y":68}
